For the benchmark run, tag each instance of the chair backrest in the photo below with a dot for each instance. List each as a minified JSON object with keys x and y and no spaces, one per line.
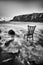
{"x":31,"y":29}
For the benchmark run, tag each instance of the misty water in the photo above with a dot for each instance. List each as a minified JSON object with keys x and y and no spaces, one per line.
{"x":17,"y":26}
{"x":22,"y":25}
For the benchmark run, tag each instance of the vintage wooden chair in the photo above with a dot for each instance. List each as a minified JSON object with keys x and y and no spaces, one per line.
{"x":30,"y":32}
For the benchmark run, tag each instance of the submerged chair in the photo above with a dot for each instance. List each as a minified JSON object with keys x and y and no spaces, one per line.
{"x":30,"y":32}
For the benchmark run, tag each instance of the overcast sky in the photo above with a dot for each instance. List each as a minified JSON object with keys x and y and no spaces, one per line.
{"x":11,"y":9}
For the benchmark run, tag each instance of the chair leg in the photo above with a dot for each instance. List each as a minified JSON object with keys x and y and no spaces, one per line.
{"x":24,"y":36}
{"x":32,"y":37}
{"x":27,"y":38}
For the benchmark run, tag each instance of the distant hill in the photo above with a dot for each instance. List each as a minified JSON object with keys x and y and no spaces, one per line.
{"x":34,"y":17}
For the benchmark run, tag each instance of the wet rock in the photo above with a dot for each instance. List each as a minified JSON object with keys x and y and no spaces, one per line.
{"x":8,"y":43}
{"x":11,"y":32}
